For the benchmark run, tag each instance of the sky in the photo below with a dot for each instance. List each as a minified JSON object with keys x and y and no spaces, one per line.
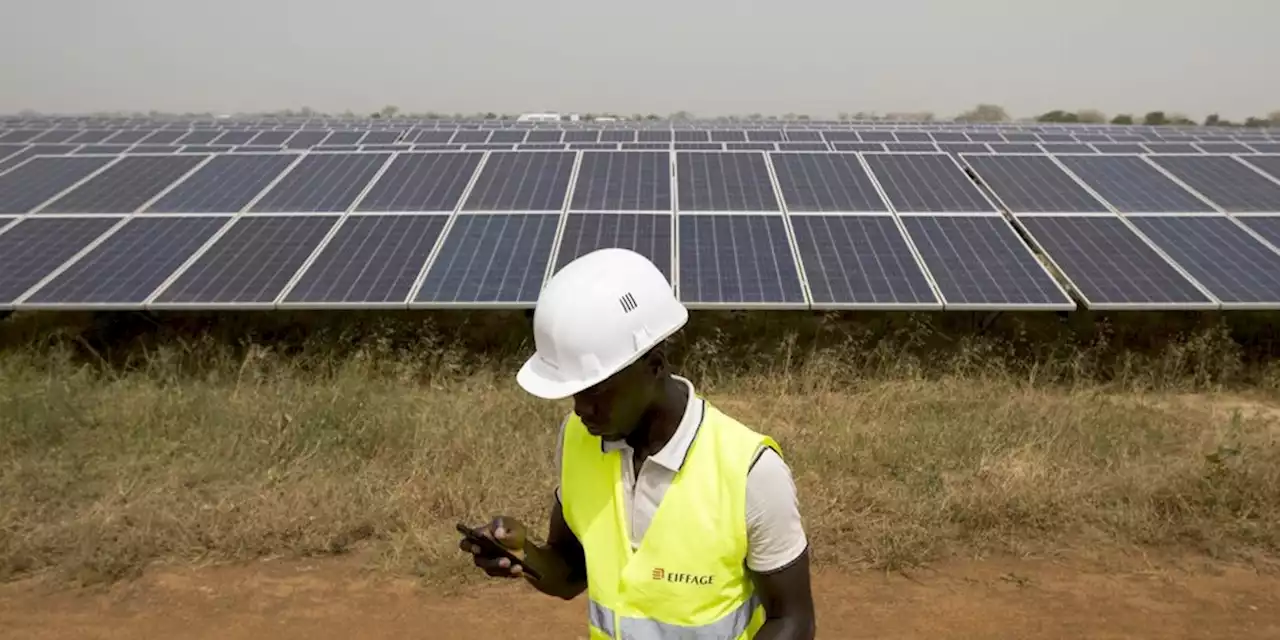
{"x":707,"y":57}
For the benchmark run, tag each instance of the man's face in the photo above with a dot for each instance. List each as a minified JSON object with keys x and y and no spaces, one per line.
{"x":612,"y":409}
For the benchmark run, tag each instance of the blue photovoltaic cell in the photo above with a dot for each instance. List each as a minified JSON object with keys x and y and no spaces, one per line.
{"x":1132,"y":185}
{"x":698,"y":146}
{"x":33,"y":150}
{"x":692,"y":136}
{"x":125,"y":185}
{"x":25,"y":187}
{"x":153,"y":149}
{"x":304,"y":139}
{"x":226,"y":184}
{"x":470,"y":137}
{"x":593,"y":146}
{"x":950,"y":136}
{"x":1033,"y":184}
{"x":1225,"y":181}
{"x":127,"y":137}
{"x":870,"y":136}
{"x":804,"y":136}
{"x":90,"y":136}
{"x":1220,"y":255}
{"x":926,"y":183}
{"x":1270,"y":165}
{"x":251,"y":263}
{"x":20,"y":135}
{"x":1109,"y":264}
{"x":1266,"y":147}
{"x":985,"y":136}
{"x":371,"y":259}
{"x":341,"y":138}
{"x":507,"y":137}
{"x":747,"y":146}
{"x":963,"y":147}
{"x":335,"y":148}
{"x":914,"y":136}
{"x":859,"y":260}
{"x":234,"y":138}
{"x":648,"y":234}
{"x":660,"y":135}
{"x":1223,"y":147}
{"x":491,"y":258}
{"x":581,"y":136}
{"x":980,"y":260}
{"x":126,"y":268}
{"x":322,"y":182}
{"x":1015,"y":147}
{"x":862,"y":146}
{"x":803,"y":146}
{"x":416,"y":182}
{"x":541,"y":146}
{"x":737,"y":259}
{"x":522,"y":181}
{"x":207,"y":148}
{"x":910,"y":147}
{"x":825,"y":182}
{"x":1266,"y":226}
{"x":434,"y":137}
{"x":724,"y":182}
{"x":728,"y":136}
{"x":7,"y":150}
{"x":633,"y":181}
{"x":1060,"y":147}
{"x":648,"y":146}
{"x":33,"y":248}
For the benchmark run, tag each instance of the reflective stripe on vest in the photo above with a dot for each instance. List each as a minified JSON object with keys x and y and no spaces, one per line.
{"x":731,"y":626}
{"x":687,"y":578}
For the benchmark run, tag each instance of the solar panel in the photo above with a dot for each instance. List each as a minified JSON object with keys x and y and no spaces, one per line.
{"x":1110,"y":266}
{"x":1266,"y":226}
{"x":636,"y":181}
{"x":654,"y":135}
{"x":522,"y":181}
{"x":648,"y":234}
{"x":20,"y":135}
{"x":825,"y":182}
{"x":509,"y":137}
{"x":949,"y":136}
{"x":31,"y":249}
{"x":737,"y":260}
{"x":926,"y":183}
{"x":1060,"y":147}
{"x":1032,"y":184}
{"x":250,"y":264}
{"x":910,"y":147}
{"x":728,"y":136}
{"x":1223,"y":147}
{"x":1266,"y":147}
{"x":380,"y":137}
{"x":153,"y":149}
{"x":125,"y":186}
{"x":1132,"y":185}
{"x":370,"y":260}
{"x":552,"y":137}
{"x":163,"y":137}
{"x":198,"y":137}
{"x":31,"y":184}
{"x":7,"y":150}
{"x":127,"y":267}
{"x":31,"y":151}
{"x":491,"y":259}
{"x":437,"y":137}
{"x":422,"y":182}
{"x":340,"y":138}
{"x":981,"y":262}
{"x":646,"y":146}
{"x":861,"y":261}
{"x":322,"y":182}
{"x":794,"y":135}
{"x":724,"y":182}
{"x":226,"y":184}
{"x":803,"y":146}
{"x":1170,"y":147}
{"x":303,"y":139}
{"x":617,"y":135}
{"x":861,"y":146}
{"x":1112,"y":147}
{"x":764,"y":135}
{"x":90,"y":136}
{"x":127,"y":137}
{"x":914,"y":136}
{"x":1219,"y":254}
{"x":869,"y":136}
{"x":1270,"y":165}
{"x":1225,"y":181}
{"x":581,"y":136}
{"x":1014,"y":147}
{"x":234,"y":138}
{"x":271,"y":138}
{"x":963,"y":147}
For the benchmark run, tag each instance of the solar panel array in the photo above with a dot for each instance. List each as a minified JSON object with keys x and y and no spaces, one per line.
{"x":271,"y":214}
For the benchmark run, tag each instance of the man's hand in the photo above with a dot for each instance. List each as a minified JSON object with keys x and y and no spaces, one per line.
{"x":508,"y":533}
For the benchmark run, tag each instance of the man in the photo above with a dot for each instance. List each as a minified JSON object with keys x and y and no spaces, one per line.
{"x":677,"y":520}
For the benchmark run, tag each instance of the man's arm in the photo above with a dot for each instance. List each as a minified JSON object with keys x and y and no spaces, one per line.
{"x":778,"y":550}
{"x":788,"y":602}
{"x":561,"y":561}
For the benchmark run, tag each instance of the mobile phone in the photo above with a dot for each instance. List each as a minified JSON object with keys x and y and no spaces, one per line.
{"x":491,"y":548}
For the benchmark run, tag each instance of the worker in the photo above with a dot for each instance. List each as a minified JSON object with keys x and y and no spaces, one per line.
{"x":677,"y":520}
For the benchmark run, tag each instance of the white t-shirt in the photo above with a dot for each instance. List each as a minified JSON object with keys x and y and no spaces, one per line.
{"x":775,"y":533}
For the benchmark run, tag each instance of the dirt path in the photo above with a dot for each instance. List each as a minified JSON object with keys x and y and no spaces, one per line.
{"x":335,"y":599}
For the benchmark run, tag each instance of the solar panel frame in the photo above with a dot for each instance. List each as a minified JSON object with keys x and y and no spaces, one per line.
{"x":624,"y":190}
{"x":439,"y":274}
{"x":1153,"y":256}
{"x":343,"y":191}
{"x":205,"y":185}
{"x":490,"y":192}
{"x":463,"y":168}
{"x":649,"y":233}
{"x":823,"y":269}
{"x":1261,"y":194}
{"x":791,"y":172}
{"x":1114,"y":192}
{"x":63,"y":173}
{"x":33,"y":249}
{"x":733,"y":191}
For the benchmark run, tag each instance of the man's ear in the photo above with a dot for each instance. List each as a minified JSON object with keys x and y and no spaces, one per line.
{"x":656,"y":360}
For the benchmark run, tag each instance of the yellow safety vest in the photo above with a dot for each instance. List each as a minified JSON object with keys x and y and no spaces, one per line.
{"x":687,"y":578}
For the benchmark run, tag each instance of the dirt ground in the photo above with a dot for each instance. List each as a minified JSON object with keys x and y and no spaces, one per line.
{"x":336,"y":598}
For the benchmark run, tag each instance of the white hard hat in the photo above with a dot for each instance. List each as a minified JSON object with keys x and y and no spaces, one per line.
{"x":597,"y":315}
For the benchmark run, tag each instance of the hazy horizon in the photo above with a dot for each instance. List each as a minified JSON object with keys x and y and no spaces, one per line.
{"x":710,"y":58}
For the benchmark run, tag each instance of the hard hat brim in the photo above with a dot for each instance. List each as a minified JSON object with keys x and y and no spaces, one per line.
{"x":532,"y":378}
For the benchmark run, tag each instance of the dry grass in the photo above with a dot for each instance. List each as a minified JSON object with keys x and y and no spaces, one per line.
{"x":153,"y":446}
